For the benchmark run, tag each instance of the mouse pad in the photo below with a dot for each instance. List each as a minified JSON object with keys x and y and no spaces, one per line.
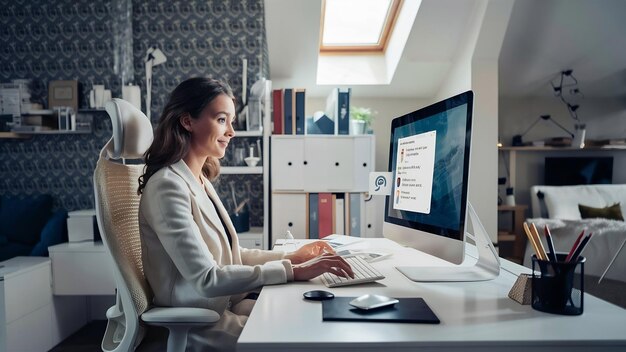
{"x":408,"y":310}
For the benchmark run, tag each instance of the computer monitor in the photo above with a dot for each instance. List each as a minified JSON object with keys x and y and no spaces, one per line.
{"x":429,"y":158}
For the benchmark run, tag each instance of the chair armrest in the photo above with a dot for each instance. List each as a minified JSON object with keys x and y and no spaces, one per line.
{"x":180,"y":315}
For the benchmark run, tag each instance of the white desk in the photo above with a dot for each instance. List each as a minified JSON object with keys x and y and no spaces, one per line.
{"x":475,"y":316}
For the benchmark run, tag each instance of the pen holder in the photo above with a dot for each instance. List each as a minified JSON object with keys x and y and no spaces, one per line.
{"x":558,"y":287}
{"x":241,"y":220}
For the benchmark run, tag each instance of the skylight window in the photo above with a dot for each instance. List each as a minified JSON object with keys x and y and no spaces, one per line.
{"x":357,"y":25}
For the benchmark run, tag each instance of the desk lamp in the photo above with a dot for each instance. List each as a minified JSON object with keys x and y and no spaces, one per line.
{"x":154,"y":56}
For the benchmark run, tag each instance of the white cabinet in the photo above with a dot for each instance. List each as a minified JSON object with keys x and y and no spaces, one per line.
{"x":321,"y":163}
{"x":31,"y":319}
{"x":81,"y":268}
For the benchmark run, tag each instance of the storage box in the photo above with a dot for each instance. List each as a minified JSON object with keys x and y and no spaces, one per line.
{"x":82,"y":226}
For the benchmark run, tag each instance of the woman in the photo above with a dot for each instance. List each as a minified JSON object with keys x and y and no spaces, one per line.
{"x":191,"y":254}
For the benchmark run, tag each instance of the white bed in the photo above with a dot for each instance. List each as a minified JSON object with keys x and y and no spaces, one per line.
{"x":557,"y":207}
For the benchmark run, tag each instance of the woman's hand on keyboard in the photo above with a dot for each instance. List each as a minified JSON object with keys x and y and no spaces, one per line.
{"x":309,"y":251}
{"x":325,"y":263}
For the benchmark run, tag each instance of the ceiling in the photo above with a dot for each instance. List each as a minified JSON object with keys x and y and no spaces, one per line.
{"x":543,"y":38}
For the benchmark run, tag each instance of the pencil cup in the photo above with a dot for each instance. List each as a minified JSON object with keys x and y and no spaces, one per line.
{"x":558,"y":287}
{"x":241,"y":220}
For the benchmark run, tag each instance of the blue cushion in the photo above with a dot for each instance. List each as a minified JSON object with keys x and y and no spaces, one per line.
{"x":11,"y":250}
{"x":54,"y":232}
{"x":21,"y":220}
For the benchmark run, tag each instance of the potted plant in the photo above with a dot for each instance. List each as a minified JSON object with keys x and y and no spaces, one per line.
{"x":360,"y":119}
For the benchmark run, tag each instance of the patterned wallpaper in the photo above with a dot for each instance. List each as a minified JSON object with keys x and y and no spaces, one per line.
{"x":43,"y":41}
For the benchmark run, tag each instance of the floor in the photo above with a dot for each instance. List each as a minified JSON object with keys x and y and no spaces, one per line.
{"x":89,"y":337}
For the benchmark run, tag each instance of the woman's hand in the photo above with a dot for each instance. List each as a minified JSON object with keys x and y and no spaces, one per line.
{"x":309,"y":251}
{"x":325,"y":263}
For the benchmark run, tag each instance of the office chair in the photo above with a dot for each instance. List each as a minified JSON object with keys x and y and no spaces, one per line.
{"x":117,"y":209}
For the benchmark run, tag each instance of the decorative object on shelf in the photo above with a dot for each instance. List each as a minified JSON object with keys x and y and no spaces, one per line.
{"x":517,"y":139}
{"x":510,"y":196}
{"x":361,"y":120}
{"x":255,"y":106}
{"x":63,"y":93}
{"x":98,"y":96}
{"x":154,"y":57}
{"x":568,"y":82}
{"x":132,"y":94}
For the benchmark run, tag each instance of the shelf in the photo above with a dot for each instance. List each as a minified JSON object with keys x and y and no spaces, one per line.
{"x":248,"y":134}
{"x":506,"y":237}
{"x":565,"y":149}
{"x":231,"y":170}
{"x":512,"y":207}
{"x":52,"y":132}
{"x":13,"y":135}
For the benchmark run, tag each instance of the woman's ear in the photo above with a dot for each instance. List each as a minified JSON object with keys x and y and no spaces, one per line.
{"x":185,"y":121}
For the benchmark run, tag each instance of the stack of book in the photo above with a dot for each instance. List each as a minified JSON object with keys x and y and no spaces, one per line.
{"x":333,"y":213}
{"x":289,"y":113}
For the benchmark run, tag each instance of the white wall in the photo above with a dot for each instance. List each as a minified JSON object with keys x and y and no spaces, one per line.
{"x":604,"y":117}
{"x":385,"y":110}
{"x":476,"y":68}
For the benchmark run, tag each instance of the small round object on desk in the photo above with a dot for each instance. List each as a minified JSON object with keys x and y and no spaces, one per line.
{"x":318,"y":295}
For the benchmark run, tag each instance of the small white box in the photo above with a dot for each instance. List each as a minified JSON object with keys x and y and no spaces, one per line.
{"x":80,"y":225}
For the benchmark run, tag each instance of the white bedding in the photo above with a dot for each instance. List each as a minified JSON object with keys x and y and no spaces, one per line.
{"x":608,"y":236}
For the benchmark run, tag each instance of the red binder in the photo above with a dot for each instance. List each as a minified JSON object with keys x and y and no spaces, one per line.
{"x":277,"y":97}
{"x":325,"y":214}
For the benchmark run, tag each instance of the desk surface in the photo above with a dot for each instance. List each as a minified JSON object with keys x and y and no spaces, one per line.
{"x":474,"y":316}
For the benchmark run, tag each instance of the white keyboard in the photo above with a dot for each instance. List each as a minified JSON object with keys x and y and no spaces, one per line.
{"x":363,"y":272}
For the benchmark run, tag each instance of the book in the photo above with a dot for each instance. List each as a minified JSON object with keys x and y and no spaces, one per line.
{"x":338,"y":109}
{"x":277,"y":99}
{"x":299,"y":110}
{"x":355,"y":214}
{"x":288,"y":109}
{"x":343,"y":121}
{"x":325,"y":211}
{"x":339,"y":214}
{"x":313,"y":216}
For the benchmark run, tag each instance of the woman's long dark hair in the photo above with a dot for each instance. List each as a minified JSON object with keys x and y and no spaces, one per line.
{"x":171,"y":139}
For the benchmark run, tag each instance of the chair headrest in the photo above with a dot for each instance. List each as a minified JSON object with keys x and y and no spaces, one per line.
{"x":132,"y":130}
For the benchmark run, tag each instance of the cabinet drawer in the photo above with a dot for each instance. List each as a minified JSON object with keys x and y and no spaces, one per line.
{"x":289,"y":213}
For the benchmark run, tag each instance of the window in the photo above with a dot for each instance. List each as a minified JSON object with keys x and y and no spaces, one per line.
{"x":357,"y":25}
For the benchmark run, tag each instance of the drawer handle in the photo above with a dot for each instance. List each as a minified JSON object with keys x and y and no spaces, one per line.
{"x":289,"y":163}
{"x":305,"y":162}
{"x":290,"y":224}
{"x":364,"y":164}
{"x":336,"y":164}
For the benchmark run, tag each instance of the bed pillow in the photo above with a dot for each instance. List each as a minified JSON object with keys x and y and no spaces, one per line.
{"x":611,"y":212}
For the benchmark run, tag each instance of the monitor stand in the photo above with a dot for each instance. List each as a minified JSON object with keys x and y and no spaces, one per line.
{"x":487,"y":266}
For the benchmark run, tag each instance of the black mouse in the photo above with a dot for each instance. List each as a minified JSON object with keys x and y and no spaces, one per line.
{"x":318,"y":295}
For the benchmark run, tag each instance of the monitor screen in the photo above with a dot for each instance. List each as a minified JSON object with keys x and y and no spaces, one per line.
{"x":429,"y":160}
{"x":578,"y":171}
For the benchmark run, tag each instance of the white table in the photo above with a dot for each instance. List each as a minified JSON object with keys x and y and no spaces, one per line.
{"x":475,"y":316}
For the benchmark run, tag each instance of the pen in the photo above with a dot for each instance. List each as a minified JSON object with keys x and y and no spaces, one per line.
{"x":571,"y":251}
{"x":535,"y":233}
{"x":580,"y":248}
{"x":552,"y":251}
{"x":532,"y":240}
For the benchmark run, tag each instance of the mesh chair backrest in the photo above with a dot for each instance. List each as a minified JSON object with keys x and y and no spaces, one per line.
{"x":116,"y":185}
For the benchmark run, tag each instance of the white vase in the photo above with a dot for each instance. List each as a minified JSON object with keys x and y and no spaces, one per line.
{"x":357,"y":127}
{"x":579,"y":136}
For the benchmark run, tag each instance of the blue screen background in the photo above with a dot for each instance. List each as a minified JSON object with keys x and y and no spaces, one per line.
{"x":447,"y":189}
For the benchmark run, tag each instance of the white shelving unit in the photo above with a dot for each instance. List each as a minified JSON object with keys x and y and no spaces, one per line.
{"x":320,"y":164}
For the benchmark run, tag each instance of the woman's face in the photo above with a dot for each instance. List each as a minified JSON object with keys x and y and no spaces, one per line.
{"x":212,"y":130}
